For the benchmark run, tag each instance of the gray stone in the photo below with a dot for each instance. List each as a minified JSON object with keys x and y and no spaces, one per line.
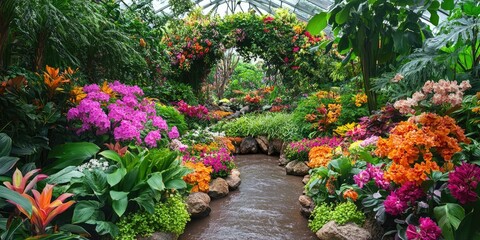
{"x":307,"y":205}
{"x":233,"y":182}
{"x":248,"y":145}
{"x":305,"y":179}
{"x":160,"y":236}
{"x":282,"y":161}
{"x":263,"y":143}
{"x":198,"y":204}
{"x":218,"y":188}
{"x":349,"y":231}
{"x":297,"y":168}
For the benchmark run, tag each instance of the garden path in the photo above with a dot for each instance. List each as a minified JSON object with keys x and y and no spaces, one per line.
{"x":265,"y":207}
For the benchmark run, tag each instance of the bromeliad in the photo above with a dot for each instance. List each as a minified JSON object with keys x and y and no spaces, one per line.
{"x":19,"y":182}
{"x":43,"y":210}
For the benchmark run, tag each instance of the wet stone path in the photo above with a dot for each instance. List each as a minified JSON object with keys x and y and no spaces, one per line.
{"x":265,"y":207}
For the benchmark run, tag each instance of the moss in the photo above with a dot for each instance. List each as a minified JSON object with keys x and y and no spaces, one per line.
{"x":343,"y":213}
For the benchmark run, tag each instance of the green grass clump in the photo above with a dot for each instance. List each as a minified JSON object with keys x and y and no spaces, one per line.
{"x":272,"y":125}
{"x":170,"y":216}
{"x":343,"y":213}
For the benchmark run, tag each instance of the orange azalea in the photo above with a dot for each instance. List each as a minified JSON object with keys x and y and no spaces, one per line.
{"x":53,"y":80}
{"x":310,"y":117}
{"x":199,"y":178}
{"x":351,"y":194}
{"x":360,"y":99}
{"x":143,"y":43}
{"x":411,"y":145}
{"x":221,"y":114}
{"x":320,"y":156}
{"x":43,"y":210}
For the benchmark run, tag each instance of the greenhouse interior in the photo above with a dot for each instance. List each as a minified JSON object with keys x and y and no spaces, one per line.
{"x":240,"y":119}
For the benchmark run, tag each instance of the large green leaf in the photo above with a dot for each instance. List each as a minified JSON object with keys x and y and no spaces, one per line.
{"x":449,"y":218}
{"x":64,"y":175}
{"x":342,"y":165}
{"x":84,"y":210}
{"x":175,"y":184}
{"x":468,"y":228}
{"x":120,"y":202}
{"x":104,"y":228}
{"x":16,"y":198}
{"x":317,"y":23}
{"x":156,"y":182}
{"x":117,"y":176}
{"x":112,"y":155}
{"x":97,"y":181}
{"x":71,"y":154}
{"x":448,"y":4}
{"x":5,"y":145}
{"x":342,"y":16}
{"x":7,"y":163}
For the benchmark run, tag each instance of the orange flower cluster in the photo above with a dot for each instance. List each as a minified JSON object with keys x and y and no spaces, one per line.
{"x":327,"y":94}
{"x":220,"y":114}
{"x":360,"y":99}
{"x":205,"y":148}
{"x":235,"y":140}
{"x":268,"y":89}
{"x":411,"y":145}
{"x":477,"y":109}
{"x":351,"y":194}
{"x":255,"y":99}
{"x":320,"y":156}
{"x":227,"y":143}
{"x":334,"y":111}
{"x":310,"y":117}
{"x":199,"y":178}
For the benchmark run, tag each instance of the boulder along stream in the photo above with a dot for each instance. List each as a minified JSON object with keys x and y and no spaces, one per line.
{"x":265,"y":206}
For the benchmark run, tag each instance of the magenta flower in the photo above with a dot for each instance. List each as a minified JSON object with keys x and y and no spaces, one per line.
{"x":362,"y":178}
{"x":463,"y":182}
{"x":394,"y":205}
{"x":152,"y":138}
{"x":428,"y":230}
{"x":173,"y":133}
{"x":410,"y":192}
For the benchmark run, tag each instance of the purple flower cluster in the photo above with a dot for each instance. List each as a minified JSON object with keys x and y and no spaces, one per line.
{"x":399,"y":200}
{"x":463,"y":182}
{"x":199,"y":111}
{"x":371,"y":172}
{"x":121,"y":112}
{"x":428,"y":230}
{"x":371,"y":141}
{"x":299,"y":150}
{"x":378,"y":124}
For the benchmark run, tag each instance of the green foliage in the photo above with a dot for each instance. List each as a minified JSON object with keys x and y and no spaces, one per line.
{"x":173,"y":117}
{"x":171,"y":91}
{"x":246,"y":77}
{"x":449,"y":218}
{"x":272,"y":125}
{"x":343,"y":213}
{"x":169,"y":216}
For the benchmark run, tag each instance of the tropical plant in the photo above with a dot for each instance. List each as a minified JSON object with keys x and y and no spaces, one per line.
{"x":362,"y":32}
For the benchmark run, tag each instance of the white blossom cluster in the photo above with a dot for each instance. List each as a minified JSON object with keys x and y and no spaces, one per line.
{"x":100,"y":164}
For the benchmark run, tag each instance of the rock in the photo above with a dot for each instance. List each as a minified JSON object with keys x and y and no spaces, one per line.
{"x":275,"y":146}
{"x":233,"y":182}
{"x":248,"y":145}
{"x":263,"y":143}
{"x":282,"y":150}
{"x":305,"y":201}
{"x":160,"y":236}
{"x":306,"y":178}
{"x":218,"y":188}
{"x":297,"y":168}
{"x":307,"y":205}
{"x":198,"y":204}
{"x":235,"y":172}
{"x":349,"y":231}
{"x":282,"y":161}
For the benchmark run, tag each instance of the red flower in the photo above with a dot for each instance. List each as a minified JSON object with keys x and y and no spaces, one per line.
{"x":295,"y":67}
{"x":296,"y":49}
{"x":268,"y":19}
{"x":463,"y":182}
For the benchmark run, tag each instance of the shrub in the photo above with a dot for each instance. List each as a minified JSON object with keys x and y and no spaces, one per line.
{"x":299,"y":150}
{"x":173,"y":117}
{"x":271,"y":125}
{"x":170,"y":216}
{"x":343,"y":213}
{"x":172,"y":91}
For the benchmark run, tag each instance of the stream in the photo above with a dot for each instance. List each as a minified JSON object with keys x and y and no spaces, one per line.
{"x":265,"y":207}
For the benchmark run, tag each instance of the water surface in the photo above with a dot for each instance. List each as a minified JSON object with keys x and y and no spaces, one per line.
{"x":265,"y":207}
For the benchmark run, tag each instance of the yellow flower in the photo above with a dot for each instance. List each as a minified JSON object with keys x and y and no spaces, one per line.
{"x":297,"y":29}
{"x":360,"y":99}
{"x":342,"y":130}
{"x":77,"y":95}
{"x":106,"y":89}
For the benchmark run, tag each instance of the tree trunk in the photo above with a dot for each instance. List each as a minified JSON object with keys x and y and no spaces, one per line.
{"x":7,"y":11}
{"x":39,"y":59}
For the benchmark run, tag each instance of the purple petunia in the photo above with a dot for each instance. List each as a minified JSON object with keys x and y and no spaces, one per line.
{"x":173,"y":134}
